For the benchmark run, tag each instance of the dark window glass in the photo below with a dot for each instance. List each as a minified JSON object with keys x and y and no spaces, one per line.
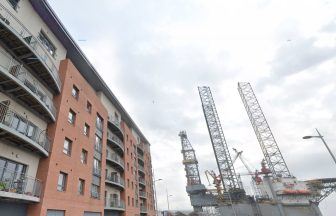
{"x":61,"y":184}
{"x":47,"y":43}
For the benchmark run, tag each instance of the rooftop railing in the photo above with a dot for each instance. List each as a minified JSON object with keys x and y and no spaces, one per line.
{"x":116,"y":158}
{"x":10,"y":66}
{"x":22,"y":125}
{"x":114,"y":203}
{"x":14,"y":182}
{"x":21,"y":31}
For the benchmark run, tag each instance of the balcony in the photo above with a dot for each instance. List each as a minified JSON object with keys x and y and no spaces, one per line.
{"x":114,"y":204}
{"x":17,"y":81}
{"x":115,"y":126}
{"x":140,"y":147}
{"x":143,"y":209}
{"x":141,"y":169}
{"x":19,"y":130}
{"x":141,"y":157}
{"x":28,"y":48}
{"x":142,"y":194}
{"x":115,"y":159}
{"x":16,"y":187}
{"x":96,"y":172}
{"x":115,"y":142}
{"x":142,"y":181}
{"x":115,"y":180}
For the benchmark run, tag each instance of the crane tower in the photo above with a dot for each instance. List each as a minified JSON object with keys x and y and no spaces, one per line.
{"x":226,"y":169}
{"x":269,"y":146}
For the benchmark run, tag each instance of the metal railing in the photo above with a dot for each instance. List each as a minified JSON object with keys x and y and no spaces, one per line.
{"x":142,"y":193}
{"x":115,"y":121}
{"x":115,"y":139}
{"x":22,"y":125}
{"x":10,"y":66}
{"x":14,"y":182}
{"x":141,"y":168}
{"x":114,"y":203}
{"x":141,"y":146}
{"x":115,"y":179}
{"x":21,"y":31}
{"x":142,"y":180}
{"x":143,"y":209}
{"x":114,"y":157}
{"x":141,"y":157}
{"x":96,"y":171}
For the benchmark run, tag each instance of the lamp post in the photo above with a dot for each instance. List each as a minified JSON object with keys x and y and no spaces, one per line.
{"x":156,"y":210}
{"x":168,"y":199}
{"x":324,"y":142}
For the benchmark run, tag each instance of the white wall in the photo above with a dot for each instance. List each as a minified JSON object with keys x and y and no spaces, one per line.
{"x":108,"y":105}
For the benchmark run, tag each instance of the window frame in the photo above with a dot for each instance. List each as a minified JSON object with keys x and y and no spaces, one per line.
{"x":81,"y":187}
{"x":62,"y":187}
{"x":88,"y":107}
{"x":73,"y":119}
{"x":14,"y":5}
{"x":86,"y":130}
{"x":85,"y":153}
{"x":67,"y":151}
{"x":47,"y":43}
{"x":75,"y":92}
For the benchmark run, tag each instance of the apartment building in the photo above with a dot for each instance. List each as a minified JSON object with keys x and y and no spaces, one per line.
{"x":67,"y":145}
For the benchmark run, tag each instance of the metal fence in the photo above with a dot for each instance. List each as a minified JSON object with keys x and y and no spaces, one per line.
{"x":14,"y":182}
{"x":115,"y":139}
{"x":22,"y":32}
{"x":21,"y":124}
{"x":114,"y":203}
{"x":114,"y":157}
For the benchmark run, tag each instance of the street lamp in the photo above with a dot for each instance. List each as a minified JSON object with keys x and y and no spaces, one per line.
{"x":156,"y":210}
{"x":326,"y":145}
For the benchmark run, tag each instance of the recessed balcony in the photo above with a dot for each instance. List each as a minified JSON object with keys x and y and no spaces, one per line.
{"x":17,"y":81}
{"x":142,"y":181}
{"x":21,"y":42}
{"x":114,"y":204}
{"x":115,"y":181}
{"x":14,"y":187}
{"x":115,"y":142}
{"x":115,"y":126}
{"x":141,"y":169}
{"x":143,"y":209}
{"x":142,"y":194}
{"x":116,"y":160}
{"x":18,"y":130}
{"x":141,"y":157}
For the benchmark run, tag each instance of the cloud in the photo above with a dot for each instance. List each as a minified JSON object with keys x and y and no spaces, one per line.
{"x":153,"y":54}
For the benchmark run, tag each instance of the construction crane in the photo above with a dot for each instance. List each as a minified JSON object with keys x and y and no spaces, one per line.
{"x":226,"y":169}
{"x":190,"y":161}
{"x":269,"y":146}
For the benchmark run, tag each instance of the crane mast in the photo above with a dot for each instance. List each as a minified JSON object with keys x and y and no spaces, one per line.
{"x":269,"y":146}
{"x":224,"y":162}
{"x":190,"y":161}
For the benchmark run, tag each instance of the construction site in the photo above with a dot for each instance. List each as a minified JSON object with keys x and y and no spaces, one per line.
{"x":276,"y":191}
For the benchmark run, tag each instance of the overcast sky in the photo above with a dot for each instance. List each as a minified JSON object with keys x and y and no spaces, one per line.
{"x":154,"y":53}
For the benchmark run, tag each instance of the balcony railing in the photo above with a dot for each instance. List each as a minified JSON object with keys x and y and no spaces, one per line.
{"x":96,"y":171}
{"x":13,"y":182}
{"x":11,"y":67}
{"x":141,"y":157}
{"x":141,"y":146}
{"x":22,"y":125}
{"x":114,"y":204}
{"x":115,"y":158}
{"x":21,"y":31}
{"x":141,"y":168}
{"x":142,"y":181}
{"x":142,"y":194}
{"x":115,"y":139}
{"x":143,"y":209}
{"x":115,"y":179}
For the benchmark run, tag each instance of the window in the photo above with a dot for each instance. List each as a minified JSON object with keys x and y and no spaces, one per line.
{"x":95,"y":190}
{"x":127,"y":166}
{"x":128,"y":200}
{"x":51,"y":212}
{"x":98,"y":144}
{"x":81,"y":186}
{"x":75,"y":92}
{"x":128,"y":183}
{"x":62,"y":178}
{"x":133,"y":202}
{"x":72,"y":117}
{"x":99,"y":122}
{"x":47,"y":43}
{"x":96,"y":167}
{"x":84,"y":156}
{"x":88,"y":107}
{"x":11,"y":171}
{"x":67,"y":146}
{"x":14,"y":3}
{"x":86,"y":129}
